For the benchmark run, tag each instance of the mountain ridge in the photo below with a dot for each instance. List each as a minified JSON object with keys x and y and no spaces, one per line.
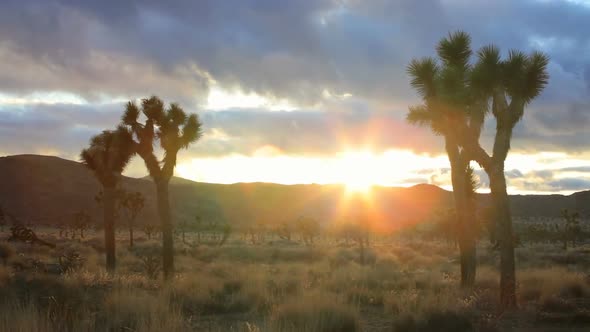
{"x":49,"y":190}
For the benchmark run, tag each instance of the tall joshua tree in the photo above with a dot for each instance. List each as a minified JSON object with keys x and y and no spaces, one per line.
{"x":174,"y":130}
{"x":463,"y":94}
{"x":508,"y":85}
{"x":107,"y":156}
{"x":441,"y":83}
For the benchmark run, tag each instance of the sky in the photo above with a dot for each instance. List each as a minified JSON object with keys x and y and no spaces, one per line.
{"x":288,"y":91}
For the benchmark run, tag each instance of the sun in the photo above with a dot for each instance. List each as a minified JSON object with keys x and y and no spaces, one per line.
{"x":359,"y":173}
{"x":360,"y":186}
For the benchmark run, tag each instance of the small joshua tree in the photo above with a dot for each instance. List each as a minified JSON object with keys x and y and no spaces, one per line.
{"x":107,"y":156}
{"x":571,"y":227}
{"x":308,"y":228}
{"x":150,"y":230}
{"x":175,"y":131}
{"x":131,"y":203}
{"x":284,"y":230}
{"x":2,"y":219}
{"x":81,"y":222}
{"x":6,"y":252}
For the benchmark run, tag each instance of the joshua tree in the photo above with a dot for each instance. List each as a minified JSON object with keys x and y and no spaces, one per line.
{"x":80,"y":222}
{"x":358,"y":232}
{"x":457,"y":96}
{"x":445,"y":96}
{"x":2,"y":219}
{"x":132,"y":203}
{"x":198,"y":228}
{"x":184,"y":226}
{"x":174,"y":130}
{"x":150,"y":230}
{"x":6,"y":252}
{"x":571,"y":227}
{"x":508,"y":85}
{"x":107,"y":156}
{"x":284,"y":230}
{"x":308,"y":228}
{"x":446,"y":225}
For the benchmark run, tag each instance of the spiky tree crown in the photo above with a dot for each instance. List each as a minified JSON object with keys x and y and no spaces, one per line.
{"x":171,"y":126}
{"x":108,"y":154}
{"x":452,"y":86}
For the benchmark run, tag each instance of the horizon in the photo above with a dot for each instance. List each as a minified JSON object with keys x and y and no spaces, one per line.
{"x":343,"y":185}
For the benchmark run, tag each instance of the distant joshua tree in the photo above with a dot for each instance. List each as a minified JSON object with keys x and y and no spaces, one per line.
{"x":446,"y":225}
{"x":2,"y":219}
{"x":107,"y":156}
{"x":150,"y":230}
{"x":571,"y":228}
{"x":174,"y":130}
{"x":358,"y":232}
{"x":284,"y":230}
{"x":81,"y":222}
{"x":308,"y":228}
{"x":131,"y":203}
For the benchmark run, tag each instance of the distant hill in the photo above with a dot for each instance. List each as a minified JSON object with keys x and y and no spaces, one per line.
{"x":48,"y":190}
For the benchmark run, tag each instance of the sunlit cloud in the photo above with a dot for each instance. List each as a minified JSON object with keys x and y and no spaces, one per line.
{"x":41,"y":98}
{"x":223,"y":99}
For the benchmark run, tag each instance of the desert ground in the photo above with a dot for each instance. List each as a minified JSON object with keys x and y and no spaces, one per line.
{"x":405,"y":281}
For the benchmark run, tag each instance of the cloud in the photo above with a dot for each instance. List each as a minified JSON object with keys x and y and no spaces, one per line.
{"x":67,"y":127}
{"x":60,"y":129}
{"x":305,"y":52}
{"x":292,"y":49}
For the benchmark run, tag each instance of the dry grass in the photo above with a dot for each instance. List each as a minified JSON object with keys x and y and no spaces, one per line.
{"x":403,"y":286}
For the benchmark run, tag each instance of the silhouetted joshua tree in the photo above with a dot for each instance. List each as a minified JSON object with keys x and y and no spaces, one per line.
{"x":80,"y":222}
{"x":132,"y":203}
{"x":463,"y":94}
{"x":174,"y":130}
{"x":571,"y":228}
{"x":445,"y":95}
{"x":508,"y":86}
{"x":107,"y":156}
{"x":2,"y":219}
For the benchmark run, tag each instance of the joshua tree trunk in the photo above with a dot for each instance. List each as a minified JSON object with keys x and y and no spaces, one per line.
{"x":362,"y":251}
{"x":502,"y":206}
{"x":505,"y":238}
{"x":167,"y":229}
{"x":109,"y":226}
{"x":131,"y":236}
{"x":465,"y":216}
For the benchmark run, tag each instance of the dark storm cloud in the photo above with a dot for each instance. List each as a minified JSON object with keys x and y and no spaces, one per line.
{"x":295,"y":50}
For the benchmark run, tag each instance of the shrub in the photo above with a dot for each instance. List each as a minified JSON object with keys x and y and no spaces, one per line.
{"x":62,"y":301}
{"x":70,"y":261}
{"x":446,"y":321}
{"x":150,"y":256}
{"x":318,"y":314}
{"x":6,"y":252}
{"x":129,"y":310}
